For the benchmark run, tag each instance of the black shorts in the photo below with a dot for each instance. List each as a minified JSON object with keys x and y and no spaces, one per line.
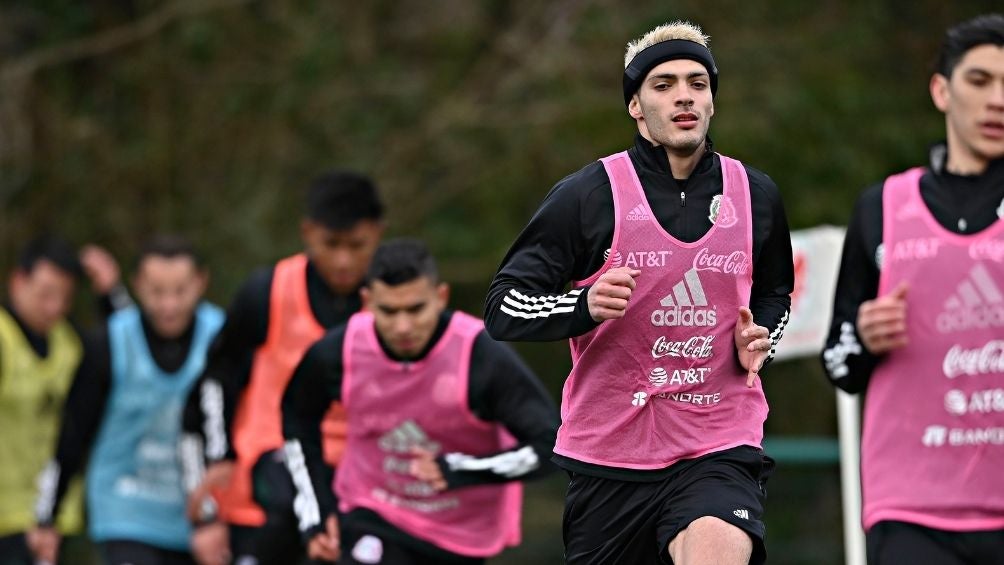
{"x":73,"y":549}
{"x":278,"y":540}
{"x":367,"y":545}
{"x":610,"y":521}
{"x":124,"y":552}
{"x":14,"y":550}
{"x":900,"y":543}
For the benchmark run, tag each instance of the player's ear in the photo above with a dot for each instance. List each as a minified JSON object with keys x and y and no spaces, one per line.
{"x":443,"y":294}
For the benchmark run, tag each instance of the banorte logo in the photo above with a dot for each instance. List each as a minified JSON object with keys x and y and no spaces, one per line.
{"x":735,"y":263}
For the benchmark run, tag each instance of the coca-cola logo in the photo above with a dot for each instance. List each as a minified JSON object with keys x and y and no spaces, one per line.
{"x":697,"y":347}
{"x":977,"y":361}
{"x":990,"y":249}
{"x":735,"y":263}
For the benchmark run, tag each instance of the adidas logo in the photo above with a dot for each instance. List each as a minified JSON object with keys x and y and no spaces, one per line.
{"x":680,"y":305}
{"x":976,"y":304}
{"x":407,"y":435}
{"x":692,"y":283}
{"x":742,"y":513}
{"x":638,"y":213}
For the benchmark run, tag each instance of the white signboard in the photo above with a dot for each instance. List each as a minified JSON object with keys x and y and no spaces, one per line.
{"x":816,"y":253}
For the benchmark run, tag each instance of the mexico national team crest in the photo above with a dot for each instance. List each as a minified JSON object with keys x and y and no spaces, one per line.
{"x":722,"y":213}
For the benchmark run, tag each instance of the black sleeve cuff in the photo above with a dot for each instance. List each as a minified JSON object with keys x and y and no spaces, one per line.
{"x":584,"y":321}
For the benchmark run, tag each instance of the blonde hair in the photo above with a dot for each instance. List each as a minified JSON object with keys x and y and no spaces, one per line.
{"x":674,"y":30}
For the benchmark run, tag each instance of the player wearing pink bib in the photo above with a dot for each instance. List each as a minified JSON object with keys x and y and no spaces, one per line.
{"x":671,"y":251}
{"x":442,"y":422}
{"x":919,"y":323}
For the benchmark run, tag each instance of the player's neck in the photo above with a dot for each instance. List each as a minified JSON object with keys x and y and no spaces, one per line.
{"x":962,"y":160}
{"x":682,"y":165}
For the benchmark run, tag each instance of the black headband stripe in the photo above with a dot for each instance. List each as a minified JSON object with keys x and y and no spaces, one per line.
{"x":664,"y":51}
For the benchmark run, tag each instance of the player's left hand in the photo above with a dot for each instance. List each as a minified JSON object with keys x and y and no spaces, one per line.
{"x":327,"y":545}
{"x":425,"y":468}
{"x":753,"y":344}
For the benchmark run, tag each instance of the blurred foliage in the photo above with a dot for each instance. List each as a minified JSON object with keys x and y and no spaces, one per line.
{"x":119,"y":118}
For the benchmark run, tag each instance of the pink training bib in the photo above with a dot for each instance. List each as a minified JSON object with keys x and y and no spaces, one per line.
{"x":393,"y":407}
{"x":663,"y":383}
{"x":933,"y":442}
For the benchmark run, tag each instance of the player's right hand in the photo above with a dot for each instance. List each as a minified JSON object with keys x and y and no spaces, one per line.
{"x":882,"y":321}
{"x":100,"y":267}
{"x":211,"y":544}
{"x":326,"y":545}
{"x":608,"y":297}
{"x":44,"y":544}
{"x":217,"y":477}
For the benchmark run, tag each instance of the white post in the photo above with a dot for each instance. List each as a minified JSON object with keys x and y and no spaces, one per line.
{"x":849,"y":430}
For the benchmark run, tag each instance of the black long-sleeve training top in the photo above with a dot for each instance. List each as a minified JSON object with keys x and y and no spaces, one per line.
{"x":501,"y":389}
{"x":211,"y":405}
{"x":961,"y":204}
{"x":567,"y":236}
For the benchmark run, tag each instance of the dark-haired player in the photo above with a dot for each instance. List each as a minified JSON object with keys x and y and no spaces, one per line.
{"x":39,"y":352}
{"x":277,"y":314}
{"x":124,"y":412}
{"x":918,"y":320}
{"x":442,"y":421}
{"x":679,"y":262}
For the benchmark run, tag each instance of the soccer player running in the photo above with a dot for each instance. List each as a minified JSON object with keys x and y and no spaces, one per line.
{"x":124,"y":411}
{"x":442,"y":421}
{"x":680,"y":266}
{"x":918,"y":320}
{"x":235,"y":410}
